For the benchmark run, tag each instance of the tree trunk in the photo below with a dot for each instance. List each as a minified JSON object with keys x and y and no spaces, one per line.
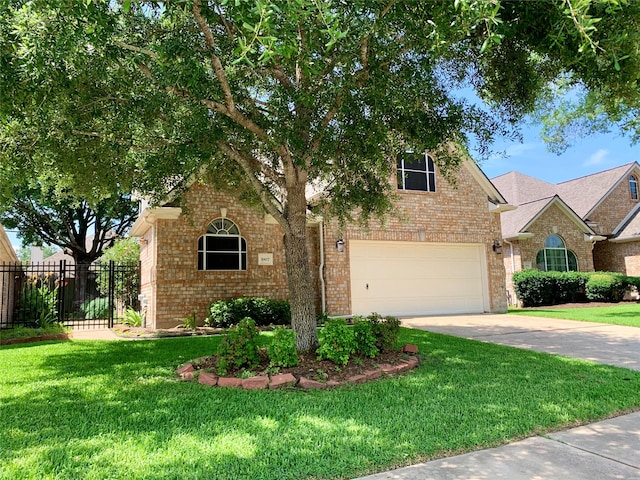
{"x":301,"y":292}
{"x":81,"y":282}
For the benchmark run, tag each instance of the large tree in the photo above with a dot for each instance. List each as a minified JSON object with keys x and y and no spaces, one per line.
{"x":45,"y":212}
{"x":268,"y":97}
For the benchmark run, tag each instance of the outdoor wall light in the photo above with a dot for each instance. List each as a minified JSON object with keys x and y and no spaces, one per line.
{"x":497,"y":246}
{"x":340,"y":245}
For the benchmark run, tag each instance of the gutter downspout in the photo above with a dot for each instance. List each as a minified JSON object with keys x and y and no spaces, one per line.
{"x":513,"y":268}
{"x":513,"y":263}
{"x":321,"y":268}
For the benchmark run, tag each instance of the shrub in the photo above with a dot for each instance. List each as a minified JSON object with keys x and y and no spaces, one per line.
{"x":570,"y":287}
{"x":282,"y":351}
{"x":337,"y":341}
{"x":534,"y":287}
{"x":263,"y":311}
{"x":386,"y":331}
{"x":38,"y":302}
{"x":606,"y":287}
{"x":190,"y":322}
{"x":239,"y":348}
{"x":132,"y":318}
{"x":365,"y":338}
{"x":96,"y":308}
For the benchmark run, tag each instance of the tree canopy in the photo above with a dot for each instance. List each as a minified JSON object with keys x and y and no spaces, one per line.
{"x":46,"y":213}
{"x":265,"y":98}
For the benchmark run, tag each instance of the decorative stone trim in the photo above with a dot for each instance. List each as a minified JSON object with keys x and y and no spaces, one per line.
{"x":261,"y":382}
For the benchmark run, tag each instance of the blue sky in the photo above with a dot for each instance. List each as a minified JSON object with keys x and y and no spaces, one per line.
{"x":586,"y":156}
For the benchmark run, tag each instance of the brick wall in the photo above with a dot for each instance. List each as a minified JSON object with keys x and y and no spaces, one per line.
{"x":175,"y":288}
{"x":173,"y":278}
{"x":553,"y":220}
{"x":617,"y":257}
{"x":614,"y":208}
{"x":512,"y":264}
{"x":449,"y":215}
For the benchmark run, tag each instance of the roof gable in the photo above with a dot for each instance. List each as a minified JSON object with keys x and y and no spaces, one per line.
{"x":517,"y":222}
{"x":519,"y":188}
{"x":584,"y":194}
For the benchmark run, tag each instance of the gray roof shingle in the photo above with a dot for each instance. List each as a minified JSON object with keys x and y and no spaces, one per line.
{"x":531,"y":195}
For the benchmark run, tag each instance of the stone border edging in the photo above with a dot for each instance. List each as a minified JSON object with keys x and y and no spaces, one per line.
{"x":188,"y":372}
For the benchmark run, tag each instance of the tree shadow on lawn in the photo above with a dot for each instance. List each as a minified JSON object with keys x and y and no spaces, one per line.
{"x":115,"y":409}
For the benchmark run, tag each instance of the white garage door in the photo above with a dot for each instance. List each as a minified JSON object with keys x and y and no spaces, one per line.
{"x":403,"y":279}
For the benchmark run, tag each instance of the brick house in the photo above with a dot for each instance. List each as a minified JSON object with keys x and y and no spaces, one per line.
{"x":436,"y":256}
{"x":588,"y":224}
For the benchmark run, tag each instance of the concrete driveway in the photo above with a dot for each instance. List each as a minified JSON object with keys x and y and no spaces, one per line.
{"x":597,"y":342}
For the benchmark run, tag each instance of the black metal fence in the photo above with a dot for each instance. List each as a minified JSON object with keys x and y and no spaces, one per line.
{"x":77,"y":295}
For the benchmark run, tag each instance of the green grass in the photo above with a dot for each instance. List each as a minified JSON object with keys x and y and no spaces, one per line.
{"x":97,"y":410}
{"x":625,"y":314}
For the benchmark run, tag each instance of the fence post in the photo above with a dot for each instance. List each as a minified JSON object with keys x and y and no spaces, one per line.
{"x":112,"y":288}
{"x":61,"y":290}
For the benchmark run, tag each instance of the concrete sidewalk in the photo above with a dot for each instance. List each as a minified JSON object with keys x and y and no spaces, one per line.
{"x":95,"y":334}
{"x":604,"y":450}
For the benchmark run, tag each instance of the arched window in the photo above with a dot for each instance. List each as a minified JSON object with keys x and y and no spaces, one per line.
{"x":555,"y":256}
{"x":633,"y":187}
{"x":222,"y":247}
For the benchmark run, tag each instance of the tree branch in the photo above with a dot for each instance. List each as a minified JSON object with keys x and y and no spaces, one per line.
{"x":269,"y":201}
{"x":133,"y":48}
{"x":215,"y":61}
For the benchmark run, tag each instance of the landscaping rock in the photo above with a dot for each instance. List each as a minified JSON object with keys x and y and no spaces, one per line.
{"x":373,"y":374}
{"x":412,"y":361}
{"x":389,"y":369}
{"x":410,"y":348}
{"x":186,"y":368}
{"x":230,"y":382}
{"x":357,"y":379}
{"x":206,"y":378}
{"x":308,"y":383}
{"x":188,"y":375}
{"x":281,"y":380}
{"x":255,"y":383}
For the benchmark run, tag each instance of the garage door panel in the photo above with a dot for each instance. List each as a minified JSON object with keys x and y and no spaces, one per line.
{"x":399,"y":278}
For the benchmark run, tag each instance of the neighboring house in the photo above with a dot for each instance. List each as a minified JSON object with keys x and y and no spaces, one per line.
{"x":7,"y":281}
{"x":586,"y":224}
{"x":437,"y":257}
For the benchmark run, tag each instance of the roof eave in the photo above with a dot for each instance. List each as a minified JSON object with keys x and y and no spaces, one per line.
{"x":150,"y":216}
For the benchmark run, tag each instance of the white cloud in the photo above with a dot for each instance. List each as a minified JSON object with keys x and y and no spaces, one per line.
{"x":521,"y":148}
{"x":598,"y":158}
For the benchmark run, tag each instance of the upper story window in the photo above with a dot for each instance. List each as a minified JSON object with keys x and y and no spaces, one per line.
{"x":222,"y":247}
{"x":555,"y":256}
{"x":633,"y":187}
{"x":416,"y":171}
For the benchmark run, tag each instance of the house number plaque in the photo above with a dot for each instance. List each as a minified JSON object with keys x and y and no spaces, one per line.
{"x":265,"y":259}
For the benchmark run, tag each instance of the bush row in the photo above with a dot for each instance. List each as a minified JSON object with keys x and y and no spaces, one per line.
{"x":537,"y":288}
{"x":263,"y":311}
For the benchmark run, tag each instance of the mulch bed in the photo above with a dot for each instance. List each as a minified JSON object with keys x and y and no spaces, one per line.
{"x":311,"y":367}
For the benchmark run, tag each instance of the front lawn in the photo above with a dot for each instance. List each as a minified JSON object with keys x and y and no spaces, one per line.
{"x":97,"y":410}
{"x":627,"y":314}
